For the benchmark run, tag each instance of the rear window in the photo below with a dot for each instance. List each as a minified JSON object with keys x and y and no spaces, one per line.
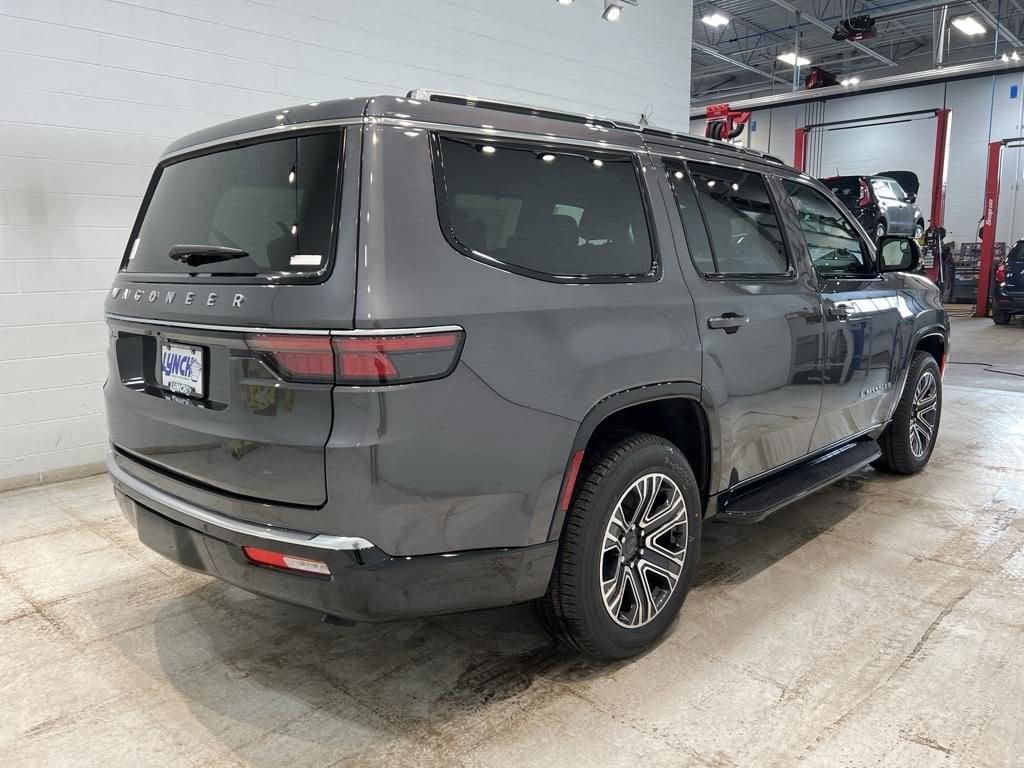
{"x":262,"y":209}
{"x":545,"y":212}
{"x":846,"y":188}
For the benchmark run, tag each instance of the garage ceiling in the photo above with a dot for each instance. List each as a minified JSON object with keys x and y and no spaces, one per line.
{"x":740,"y":58}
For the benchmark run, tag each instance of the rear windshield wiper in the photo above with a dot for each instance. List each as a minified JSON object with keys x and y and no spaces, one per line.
{"x":194,"y":255}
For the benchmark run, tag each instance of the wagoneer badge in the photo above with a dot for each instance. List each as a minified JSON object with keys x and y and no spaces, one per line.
{"x":169,"y":297}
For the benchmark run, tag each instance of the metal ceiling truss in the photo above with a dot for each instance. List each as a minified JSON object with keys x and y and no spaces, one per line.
{"x":741,"y":57}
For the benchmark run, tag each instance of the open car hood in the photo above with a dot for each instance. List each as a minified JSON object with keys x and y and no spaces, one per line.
{"x":906,"y":179}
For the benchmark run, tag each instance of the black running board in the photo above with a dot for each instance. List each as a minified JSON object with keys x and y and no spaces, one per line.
{"x":753,"y":504}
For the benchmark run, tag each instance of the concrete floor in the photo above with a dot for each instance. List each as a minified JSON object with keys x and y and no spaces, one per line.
{"x":878,"y":623}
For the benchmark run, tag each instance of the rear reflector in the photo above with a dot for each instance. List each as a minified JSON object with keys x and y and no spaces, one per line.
{"x":286,"y":562}
{"x":363,"y":359}
{"x":570,"y":481}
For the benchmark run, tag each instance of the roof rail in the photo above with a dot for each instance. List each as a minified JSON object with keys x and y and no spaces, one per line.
{"x":423,"y":94}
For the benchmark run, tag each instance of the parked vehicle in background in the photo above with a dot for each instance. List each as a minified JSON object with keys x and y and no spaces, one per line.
{"x":393,"y":357}
{"x":1008,"y":291}
{"x":885,"y":203}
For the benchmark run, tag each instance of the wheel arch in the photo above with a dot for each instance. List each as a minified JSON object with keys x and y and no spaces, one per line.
{"x":681,"y":412}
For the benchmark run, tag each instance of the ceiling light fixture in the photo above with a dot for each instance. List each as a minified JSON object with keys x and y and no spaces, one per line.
{"x":793,"y":60}
{"x":612,"y":11}
{"x":848,"y":81}
{"x":565,"y":2}
{"x":968,"y":25}
{"x":1014,"y":56}
{"x":715,"y":19}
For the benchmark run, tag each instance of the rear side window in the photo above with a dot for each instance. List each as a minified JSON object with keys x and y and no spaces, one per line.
{"x":742,"y":222}
{"x":552,"y":213}
{"x":260,"y":209}
{"x":697,"y":242}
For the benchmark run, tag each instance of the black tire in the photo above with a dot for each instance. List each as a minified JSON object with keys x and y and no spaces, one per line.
{"x":999,"y":317}
{"x":901,"y":453}
{"x":574,"y":609}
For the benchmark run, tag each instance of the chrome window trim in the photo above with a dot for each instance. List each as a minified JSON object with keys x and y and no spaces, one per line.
{"x":264,"y":532}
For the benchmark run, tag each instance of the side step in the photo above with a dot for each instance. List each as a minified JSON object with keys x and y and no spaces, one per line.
{"x":751,"y":505}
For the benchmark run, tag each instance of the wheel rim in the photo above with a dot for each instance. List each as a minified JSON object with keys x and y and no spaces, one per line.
{"x":644,"y":550}
{"x":880,"y":232}
{"x":924,"y":414}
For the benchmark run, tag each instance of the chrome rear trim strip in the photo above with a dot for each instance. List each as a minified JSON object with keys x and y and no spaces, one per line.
{"x":264,"y":532}
{"x":298,"y":331}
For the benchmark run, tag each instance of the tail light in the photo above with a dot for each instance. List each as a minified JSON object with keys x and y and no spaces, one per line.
{"x":865,"y":195}
{"x":363,"y":359}
{"x":1001,"y":272}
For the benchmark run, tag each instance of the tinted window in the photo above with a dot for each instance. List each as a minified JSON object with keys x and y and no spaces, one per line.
{"x":273,"y":201}
{"x":741,"y":221}
{"x":555,"y":212}
{"x":833,"y":242}
{"x":693,"y":223}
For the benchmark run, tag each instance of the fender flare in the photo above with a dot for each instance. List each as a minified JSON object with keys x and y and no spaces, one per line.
{"x":619,"y":401}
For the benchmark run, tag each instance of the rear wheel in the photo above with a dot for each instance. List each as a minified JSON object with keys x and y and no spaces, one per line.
{"x":919,"y":230}
{"x":629,"y":550}
{"x":908,"y":441}
{"x":880,"y":230}
{"x":999,"y":317}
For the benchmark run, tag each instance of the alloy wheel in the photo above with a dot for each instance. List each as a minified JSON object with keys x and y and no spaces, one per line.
{"x":644,"y":550}
{"x":924,"y":414}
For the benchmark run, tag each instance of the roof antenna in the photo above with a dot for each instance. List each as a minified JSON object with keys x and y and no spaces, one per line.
{"x":645,"y":116}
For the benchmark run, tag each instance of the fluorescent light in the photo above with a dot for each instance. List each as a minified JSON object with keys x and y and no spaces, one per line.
{"x":848,"y":81}
{"x":715,"y":19}
{"x":791,"y":59}
{"x":968,"y":25}
{"x":565,"y":2}
{"x":612,"y":11}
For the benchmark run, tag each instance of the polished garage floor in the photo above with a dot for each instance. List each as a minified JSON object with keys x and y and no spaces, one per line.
{"x":880,"y":622}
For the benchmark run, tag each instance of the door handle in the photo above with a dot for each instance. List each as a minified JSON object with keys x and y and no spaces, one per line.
{"x":730,"y":322}
{"x":839,"y":312}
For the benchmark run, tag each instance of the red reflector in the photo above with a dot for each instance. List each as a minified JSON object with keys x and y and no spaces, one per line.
{"x":1001,"y":272}
{"x":570,"y":481}
{"x":377,"y":359}
{"x":294,"y":357}
{"x":287,"y":562}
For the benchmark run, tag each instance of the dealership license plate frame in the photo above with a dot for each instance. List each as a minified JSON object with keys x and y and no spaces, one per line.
{"x":189,"y":385}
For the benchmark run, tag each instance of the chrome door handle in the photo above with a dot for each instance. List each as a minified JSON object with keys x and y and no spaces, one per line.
{"x":730,"y":322}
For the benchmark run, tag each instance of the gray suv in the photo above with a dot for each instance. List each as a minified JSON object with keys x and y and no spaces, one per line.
{"x":392,"y":357}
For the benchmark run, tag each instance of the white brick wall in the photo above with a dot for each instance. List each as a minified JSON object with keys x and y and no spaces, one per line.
{"x":92,"y":90}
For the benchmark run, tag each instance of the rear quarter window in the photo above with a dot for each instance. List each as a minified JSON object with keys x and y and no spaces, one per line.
{"x":554,"y":213}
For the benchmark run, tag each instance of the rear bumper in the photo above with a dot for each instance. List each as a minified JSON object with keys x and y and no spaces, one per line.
{"x":366,"y":584}
{"x":1009,"y":302}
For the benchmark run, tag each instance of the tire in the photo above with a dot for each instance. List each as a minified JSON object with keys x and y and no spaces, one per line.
{"x":906,"y":452}
{"x":613,"y":484}
{"x":999,"y":317}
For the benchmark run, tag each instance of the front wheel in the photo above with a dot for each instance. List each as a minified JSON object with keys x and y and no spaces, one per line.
{"x":919,"y":230}
{"x":629,"y":550}
{"x":909,"y":440}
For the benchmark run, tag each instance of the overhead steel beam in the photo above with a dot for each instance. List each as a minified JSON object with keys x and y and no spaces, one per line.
{"x":889,"y":83}
{"x":1001,"y":29}
{"x":830,"y":29}
{"x":708,"y":50}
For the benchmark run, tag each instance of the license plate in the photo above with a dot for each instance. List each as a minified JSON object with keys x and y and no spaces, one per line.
{"x":181,"y":369}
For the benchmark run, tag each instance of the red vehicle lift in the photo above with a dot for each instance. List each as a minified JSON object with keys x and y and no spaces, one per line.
{"x":938,"y":201}
{"x":990,"y":209}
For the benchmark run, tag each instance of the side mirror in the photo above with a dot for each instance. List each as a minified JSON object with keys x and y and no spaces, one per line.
{"x":910,"y":198}
{"x":898,"y":254}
